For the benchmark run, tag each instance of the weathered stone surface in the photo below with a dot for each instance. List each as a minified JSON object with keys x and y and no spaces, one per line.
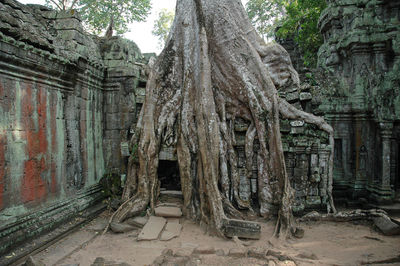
{"x":183,"y":252}
{"x":138,"y":221}
{"x":305,"y":96}
{"x":359,"y":95}
{"x":172,"y":230}
{"x":32,"y":262}
{"x":257,"y":252}
{"x":168,"y":212}
{"x":53,"y":98}
{"x":238,"y":252}
{"x":121,"y":227}
{"x":153,"y":228}
{"x":242,"y":229}
{"x":386,"y":226}
{"x":97,"y":225}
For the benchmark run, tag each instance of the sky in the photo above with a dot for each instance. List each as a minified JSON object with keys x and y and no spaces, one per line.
{"x":140,"y":32}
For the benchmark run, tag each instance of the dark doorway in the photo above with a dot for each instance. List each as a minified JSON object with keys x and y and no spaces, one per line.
{"x":168,"y":174}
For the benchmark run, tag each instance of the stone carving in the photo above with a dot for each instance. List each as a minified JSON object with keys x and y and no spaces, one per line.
{"x":361,"y":52}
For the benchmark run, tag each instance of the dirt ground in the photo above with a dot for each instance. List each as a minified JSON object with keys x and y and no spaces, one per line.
{"x":324,"y":243}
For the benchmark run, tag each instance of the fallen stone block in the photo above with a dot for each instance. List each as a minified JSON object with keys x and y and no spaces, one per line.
{"x":171,"y":231}
{"x":172,"y":212}
{"x":138,"y":221}
{"x":238,"y":252}
{"x":257,"y":252}
{"x":152,"y":229}
{"x":386,"y":226}
{"x":241,"y":229}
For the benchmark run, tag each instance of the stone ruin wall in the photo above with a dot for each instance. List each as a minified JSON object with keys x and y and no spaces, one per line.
{"x":361,"y":52}
{"x":68,"y":106}
{"x":67,"y":101}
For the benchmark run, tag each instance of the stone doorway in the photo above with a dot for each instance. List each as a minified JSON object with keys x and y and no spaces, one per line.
{"x":168,"y":174}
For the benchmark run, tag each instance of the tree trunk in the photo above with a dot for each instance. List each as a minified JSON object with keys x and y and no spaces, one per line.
{"x":213,"y":70}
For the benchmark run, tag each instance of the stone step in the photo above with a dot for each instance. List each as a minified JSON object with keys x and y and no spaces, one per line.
{"x":172,"y":230}
{"x":172,"y":193}
{"x":153,"y":228}
{"x":168,"y":212}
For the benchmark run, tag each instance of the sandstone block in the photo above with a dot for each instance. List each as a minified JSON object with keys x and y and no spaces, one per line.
{"x":386,"y":226}
{"x":173,"y":212}
{"x":238,"y":252}
{"x":242,"y":229}
{"x":152,"y":229}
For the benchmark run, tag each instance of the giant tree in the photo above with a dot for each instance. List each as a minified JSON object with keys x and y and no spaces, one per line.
{"x":213,"y":70}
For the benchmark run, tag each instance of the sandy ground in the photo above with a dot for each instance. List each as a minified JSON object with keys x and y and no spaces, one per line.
{"x":331,"y":243}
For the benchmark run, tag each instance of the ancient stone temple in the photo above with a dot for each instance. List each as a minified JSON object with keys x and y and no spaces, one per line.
{"x":68,"y":107}
{"x":362,"y":52}
{"x":67,"y":102}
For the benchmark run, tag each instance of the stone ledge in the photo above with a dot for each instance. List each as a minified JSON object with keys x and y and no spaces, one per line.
{"x":30,"y":227}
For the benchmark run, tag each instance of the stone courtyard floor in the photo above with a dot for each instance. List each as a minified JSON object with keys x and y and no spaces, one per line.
{"x":324,"y":243}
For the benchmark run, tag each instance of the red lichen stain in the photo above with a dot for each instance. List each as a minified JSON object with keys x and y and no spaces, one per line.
{"x":2,"y":168}
{"x":53,"y":119}
{"x":33,"y":186}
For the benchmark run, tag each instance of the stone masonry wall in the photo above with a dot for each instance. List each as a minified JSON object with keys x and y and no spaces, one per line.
{"x":361,"y":52}
{"x":67,"y":101}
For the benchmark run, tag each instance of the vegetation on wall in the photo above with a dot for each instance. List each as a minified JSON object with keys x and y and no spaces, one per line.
{"x":97,"y":15}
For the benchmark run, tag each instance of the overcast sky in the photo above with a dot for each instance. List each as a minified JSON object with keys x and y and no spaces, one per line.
{"x":140,"y":33}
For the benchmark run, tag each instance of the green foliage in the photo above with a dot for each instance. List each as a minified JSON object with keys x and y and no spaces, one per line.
{"x":162,"y":25}
{"x":264,"y":15}
{"x":297,"y":19}
{"x":97,"y":14}
{"x":134,"y":151}
{"x":301,"y":23}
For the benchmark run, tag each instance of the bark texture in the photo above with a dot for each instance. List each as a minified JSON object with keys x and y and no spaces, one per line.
{"x":214,"y":70}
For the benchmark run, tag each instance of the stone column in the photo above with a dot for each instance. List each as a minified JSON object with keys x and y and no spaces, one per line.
{"x":384,"y":184}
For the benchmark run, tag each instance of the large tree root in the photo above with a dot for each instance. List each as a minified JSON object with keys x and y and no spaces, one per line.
{"x":378,"y":217}
{"x":214,"y":70}
{"x":345,"y":216}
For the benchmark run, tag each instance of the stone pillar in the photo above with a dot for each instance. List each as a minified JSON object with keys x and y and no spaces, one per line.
{"x":385,"y":191}
{"x":324,"y":185}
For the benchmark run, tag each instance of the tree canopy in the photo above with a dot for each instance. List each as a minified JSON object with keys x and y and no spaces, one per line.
{"x":265,"y":15}
{"x":98,"y":14}
{"x":162,"y":25}
{"x":297,"y":19}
